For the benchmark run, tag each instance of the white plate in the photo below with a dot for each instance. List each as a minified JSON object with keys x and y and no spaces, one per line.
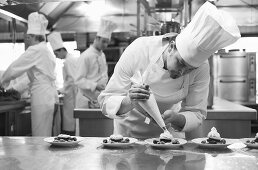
{"x":250,"y":145}
{"x":213,"y":146}
{"x":118,"y":145}
{"x":51,"y":141}
{"x":166,"y":145}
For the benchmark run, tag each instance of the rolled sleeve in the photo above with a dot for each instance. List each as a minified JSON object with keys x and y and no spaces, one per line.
{"x":193,"y":120}
{"x":117,"y":88}
{"x":194,"y":106}
{"x":111,"y":106}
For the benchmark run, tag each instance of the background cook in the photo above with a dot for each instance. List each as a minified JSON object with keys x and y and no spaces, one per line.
{"x":91,"y":77}
{"x":69,"y":89}
{"x":39,"y":64}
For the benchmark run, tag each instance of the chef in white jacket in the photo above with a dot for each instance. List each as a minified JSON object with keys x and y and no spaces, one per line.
{"x":39,"y":64}
{"x":175,"y":71}
{"x":69,"y":89}
{"x":91,"y":77}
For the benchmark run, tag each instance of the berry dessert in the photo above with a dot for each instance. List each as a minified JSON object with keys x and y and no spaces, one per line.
{"x":165,"y":138}
{"x":253,"y":141}
{"x":116,"y":139}
{"x":64,"y":138}
{"x":214,"y":138}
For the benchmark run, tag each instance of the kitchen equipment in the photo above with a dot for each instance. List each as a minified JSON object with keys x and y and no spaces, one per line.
{"x":236,"y":76}
{"x":170,"y":26}
{"x":211,"y":85}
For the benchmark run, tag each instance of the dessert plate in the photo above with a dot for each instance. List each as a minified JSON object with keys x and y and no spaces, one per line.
{"x":248,"y":144}
{"x":166,"y":145}
{"x":52,"y":142}
{"x":119,"y":144}
{"x":198,"y":141}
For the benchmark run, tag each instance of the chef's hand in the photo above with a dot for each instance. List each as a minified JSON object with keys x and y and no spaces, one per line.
{"x":136,"y":93}
{"x":139,"y":92}
{"x":173,"y":119}
{"x":100,"y":86}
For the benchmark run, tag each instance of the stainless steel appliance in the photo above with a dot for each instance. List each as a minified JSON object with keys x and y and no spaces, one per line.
{"x":235,"y":76}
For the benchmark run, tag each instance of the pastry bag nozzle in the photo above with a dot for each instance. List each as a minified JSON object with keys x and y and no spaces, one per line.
{"x":165,"y":128}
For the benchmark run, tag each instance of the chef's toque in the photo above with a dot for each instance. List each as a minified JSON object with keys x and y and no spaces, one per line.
{"x":209,"y":31}
{"x":106,"y":28}
{"x":37,"y":24}
{"x":55,"y":40}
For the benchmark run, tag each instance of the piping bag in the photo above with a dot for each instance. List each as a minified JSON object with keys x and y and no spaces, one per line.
{"x":150,"y":105}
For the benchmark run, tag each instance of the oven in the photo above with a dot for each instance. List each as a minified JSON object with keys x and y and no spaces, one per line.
{"x":236,"y":76}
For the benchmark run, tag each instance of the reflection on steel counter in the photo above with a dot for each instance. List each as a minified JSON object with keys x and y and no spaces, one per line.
{"x":90,"y":154}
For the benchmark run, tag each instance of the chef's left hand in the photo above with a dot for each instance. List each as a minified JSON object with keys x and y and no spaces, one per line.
{"x":168,"y":116}
{"x":172,"y":118}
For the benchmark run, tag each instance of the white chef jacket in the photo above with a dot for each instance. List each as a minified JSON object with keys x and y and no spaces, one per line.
{"x":92,"y":68}
{"x":39,"y":63}
{"x":69,"y":90}
{"x":191,"y":89}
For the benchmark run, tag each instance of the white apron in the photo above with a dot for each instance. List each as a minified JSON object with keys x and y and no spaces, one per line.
{"x":170,"y":98}
{"x":43,"y":99}
{"x":69,"y":104}
{"x":70,"y":91}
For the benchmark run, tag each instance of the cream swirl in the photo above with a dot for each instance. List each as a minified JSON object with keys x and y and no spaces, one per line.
{"x":116,"y":137}
{"x":213,"y":133}
{"x":166,"y":135}
{"x":63,"y":136}
{"x":256,"y":136}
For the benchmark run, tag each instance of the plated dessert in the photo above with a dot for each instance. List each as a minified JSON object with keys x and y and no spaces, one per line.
{"x":165,"y":138}
{"x":165,"y":141}
{"x":63,"y":140}
{"x":117,"y":140}
{"x":214,"y":137}
{"x":253,"y":141}
{"x":213,"y":140}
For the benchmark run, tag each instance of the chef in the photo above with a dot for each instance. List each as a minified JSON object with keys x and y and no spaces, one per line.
{"x":39,"y":64}
{"x":91,"y":77}
{"x":69,"y":89}
{"x":175,"y":69}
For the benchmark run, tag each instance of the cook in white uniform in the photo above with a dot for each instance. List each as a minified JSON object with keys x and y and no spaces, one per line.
{"x":69,"y":89}
{"x":39,"y":64}
{"x":91,"y":77}
{"x":176,"y":71}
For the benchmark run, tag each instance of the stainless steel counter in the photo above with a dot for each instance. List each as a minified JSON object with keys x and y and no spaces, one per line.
{"x":23,"y":153}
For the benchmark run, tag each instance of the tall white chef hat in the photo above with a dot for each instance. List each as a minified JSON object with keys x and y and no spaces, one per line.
{"x":209,"y":31}
{"x":106,"y":28}
{"x":37,"y":24}
{"x":55,"y":40}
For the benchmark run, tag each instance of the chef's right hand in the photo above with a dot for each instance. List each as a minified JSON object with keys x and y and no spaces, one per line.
{"x":139,"y":92}
{"x":135,"y":93}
